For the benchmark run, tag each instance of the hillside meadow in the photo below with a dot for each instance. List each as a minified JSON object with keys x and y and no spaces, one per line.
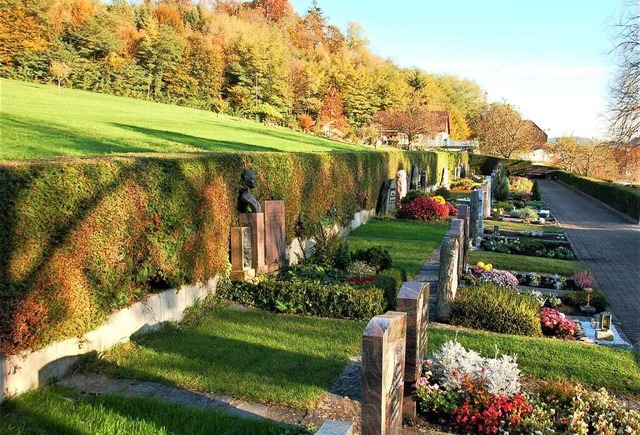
{"x":38,"y":122}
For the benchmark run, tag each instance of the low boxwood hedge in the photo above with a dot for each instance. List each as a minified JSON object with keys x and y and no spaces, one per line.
{"x":390,"y":281}
{"x":496,"y":309}
{"x":623,"y":198}
{"x":308,"y":297}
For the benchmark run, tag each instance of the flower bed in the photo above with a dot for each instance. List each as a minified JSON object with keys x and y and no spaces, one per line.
{"x":530,"y":247}
{"x":471,"y":394}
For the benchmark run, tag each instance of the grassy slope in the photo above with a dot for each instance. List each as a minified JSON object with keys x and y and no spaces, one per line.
{"x":62,"y":411}
{"x":409,"y":243}
{"x":254,"y":355}
{"x":37,"y":122}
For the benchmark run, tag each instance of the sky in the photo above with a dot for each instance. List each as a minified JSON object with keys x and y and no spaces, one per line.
{"x":548,"y":58}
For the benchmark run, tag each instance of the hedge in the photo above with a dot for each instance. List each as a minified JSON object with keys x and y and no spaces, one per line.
{"x":342,"y":301}
{"x":622,"y":198}
{"x":82,"y":238}
{"x":481,"y":164}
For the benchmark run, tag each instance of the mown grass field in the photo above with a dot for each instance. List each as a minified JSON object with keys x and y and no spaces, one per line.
{"x":37,"y":122}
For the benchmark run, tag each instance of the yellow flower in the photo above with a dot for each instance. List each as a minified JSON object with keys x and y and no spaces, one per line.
{"x":480,"y":264}
{"x":488,"y":267}
{"x":439,"y":199}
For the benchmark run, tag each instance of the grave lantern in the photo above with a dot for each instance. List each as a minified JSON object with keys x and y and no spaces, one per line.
{"x":605,"y":321}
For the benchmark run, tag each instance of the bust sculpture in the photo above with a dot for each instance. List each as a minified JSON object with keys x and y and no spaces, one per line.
{"x":247,"y":203}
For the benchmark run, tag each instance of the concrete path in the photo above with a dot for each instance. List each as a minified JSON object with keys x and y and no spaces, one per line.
{"x":607,"y":244}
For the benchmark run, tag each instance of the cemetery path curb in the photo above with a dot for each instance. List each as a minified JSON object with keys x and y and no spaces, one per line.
{"x":607,"y":244}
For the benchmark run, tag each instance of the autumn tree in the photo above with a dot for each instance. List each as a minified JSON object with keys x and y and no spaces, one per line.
{"x":411,"y":122}
{"x":502,"y":132}
{"x":624,"y":98}
{"x":23,"y":29}
{"x":59,"y":70}
{"x":591,"y":158}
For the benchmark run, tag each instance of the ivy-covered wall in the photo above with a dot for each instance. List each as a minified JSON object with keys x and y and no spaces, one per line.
{"x":82,"y":238}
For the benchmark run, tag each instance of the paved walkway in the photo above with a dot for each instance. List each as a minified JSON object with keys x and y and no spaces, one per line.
{"x":607,"y":244}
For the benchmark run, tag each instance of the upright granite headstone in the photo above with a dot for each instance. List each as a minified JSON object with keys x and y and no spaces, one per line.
{"x":474,"y":211}
{"x":387,"y":201}
{"x":424,"y":176}
{"x":481,"y":212}
{"x":274,"y":238}
{"x":383,"y":360}
{"x":401,"y":184}
{"x":415,"y":178}
{"x":463,"y":213}
{"x":463,"y":171}
{"x":447,"y":278}
{"x":413,"y":299}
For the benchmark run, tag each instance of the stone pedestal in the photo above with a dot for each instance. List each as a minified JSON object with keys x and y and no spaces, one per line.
{"x":383,"y":360}
{"x":486,"y":199}
{"x":255,"y":221}
{"x":413,"y":299}
{"x":241,"y":257}
{"x":274,"y":236}
{"x":447,"y":278}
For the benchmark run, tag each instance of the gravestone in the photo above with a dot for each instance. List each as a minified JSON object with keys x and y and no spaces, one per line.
{"x":463,"y":171}
{"x":487,"y":198}
{"x":413,"y":299}
{"x":383,"y":360}
{"x":445,"y":178}
{"x":424,"y":175}
{"x":456,"y":231}
{"x":387,"y":201}
{"x":415,"y":178}
{"x":447,"y":278}
{"x":456,"y":174}
{"x":255,"y":221}
{"x":473,"y":216}
{"x":481,"y":194}
{"x":463,"y":214}
{"x":241,"y":258}
{"x":274,"y":237}
{"x":401,"y":184}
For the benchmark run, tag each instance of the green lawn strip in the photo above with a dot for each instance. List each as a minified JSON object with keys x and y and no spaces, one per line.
{"x":409,"y":243}
{"x":525,"y":263}
{"x":515,"y":226}
{"x":259,"y":356}
{"x":37,"y":122}
{"x":62,"y":411}
{"x":546,"y":358}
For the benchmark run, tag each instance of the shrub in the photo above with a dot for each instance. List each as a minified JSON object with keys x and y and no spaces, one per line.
{"x":583,"y":279}
{"x":507,"y":206}
{"x":520,"y":184}
{"x":390,"y":281}
{"x":424,"y":209}
{"x":600,"y":413}
{"x":525,"y":213}
{"x":496,"y":309}
{"x":453,"y":210}
{"x":411,"y":195}
{"x":443,"y":192}
{"x":501,"y":192}
{"x":360,"y":269}
{"x":375,"y":256}
{"x":555,"y":325}
{"x":439,"y":199}
{"x":535,"y":191}
{"x":463,"y":184}
{"x":500,"y":278}
{"x":333,"y":300}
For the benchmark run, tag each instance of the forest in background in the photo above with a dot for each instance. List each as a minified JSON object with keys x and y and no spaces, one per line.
{"x":255,"y":59}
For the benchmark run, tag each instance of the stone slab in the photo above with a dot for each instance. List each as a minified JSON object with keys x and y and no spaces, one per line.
{"x":274,"y":234}
{"x":383,"y":360}
{"x":334,"y":427}
{"x":256,"y":222}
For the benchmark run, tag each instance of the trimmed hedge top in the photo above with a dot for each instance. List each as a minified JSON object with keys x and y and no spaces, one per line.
{"x":82,"y":238}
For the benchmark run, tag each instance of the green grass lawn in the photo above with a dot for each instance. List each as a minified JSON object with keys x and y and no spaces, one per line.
{"x":409,"y":243}
{"x":253,"y":355}
{"x":515,"y":226}
{"x":37,"y":122}
{"x":546,"y":358}
{"x":524,"y":263}
{"x":62,"y":411}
